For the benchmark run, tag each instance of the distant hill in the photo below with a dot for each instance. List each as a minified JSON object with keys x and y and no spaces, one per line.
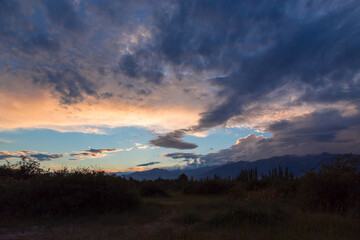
{"x":294,"y":163}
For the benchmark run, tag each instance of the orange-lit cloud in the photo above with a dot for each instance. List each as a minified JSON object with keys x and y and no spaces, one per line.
{"x":44,"y":111}
{"x":5,"y":155}
{"x":93,"y":153}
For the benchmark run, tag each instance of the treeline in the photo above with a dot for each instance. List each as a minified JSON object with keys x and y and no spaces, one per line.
{"x":28,"y":190}
{"x":335,"y":188}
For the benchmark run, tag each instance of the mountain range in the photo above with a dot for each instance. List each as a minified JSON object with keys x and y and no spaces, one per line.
{"x":295,"y":164}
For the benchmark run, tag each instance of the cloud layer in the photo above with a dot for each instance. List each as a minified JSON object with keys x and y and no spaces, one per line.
{"x":91,"y":153}
{"x":185,"y":66}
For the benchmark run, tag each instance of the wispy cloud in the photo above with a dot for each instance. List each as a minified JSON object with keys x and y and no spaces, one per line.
{"x":182,"y":155}
{"x":147,"y":164}
{"x":140,"y":146}
{"x":76,"y":159}
{"x":5,"y":155}
{"x":94,"y":153}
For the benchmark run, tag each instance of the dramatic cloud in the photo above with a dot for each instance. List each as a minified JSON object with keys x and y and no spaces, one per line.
{"x":70,"y":85}
{"x":291,"y":68}
{"x":130,"y":68}
{"x":263,"y":47}
{"x":314,"y":133}
{"x":147,"y":164}
{"x":172,"y":140}
{"x":68,"y":65}
{"x":63,"y":13}
{"x":93,"y":153}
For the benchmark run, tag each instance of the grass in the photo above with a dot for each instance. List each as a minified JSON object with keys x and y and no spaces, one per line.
{"x":274,"y":208}
{"x":200,"y":217}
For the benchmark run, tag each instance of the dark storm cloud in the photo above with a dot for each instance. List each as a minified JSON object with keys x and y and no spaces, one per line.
{"x":173,"y":140}
{"x":63,"y":13}
{"x":120,"y":13}
{"x":320,"y":53}
{"x":261,"y":46}
{"x":69,"y":84}
{"x":316,"y":127}
{"x":326,"y":131}
{"x":147,"y":164}
{"x":8,"y":7}
{"x":246,"y":49}
{"x":111,"y":10}
{"x":41,"y":41}
{"x":149,"y":69}
{"x":8,"y":11}
{"x":25,"y":33}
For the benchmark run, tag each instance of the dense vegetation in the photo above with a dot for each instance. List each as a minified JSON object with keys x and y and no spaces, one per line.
{"x":318,"y":205}
{"x":27,"y":190}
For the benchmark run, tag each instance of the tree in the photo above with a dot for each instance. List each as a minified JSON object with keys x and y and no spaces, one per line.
{"x":182,"y":177}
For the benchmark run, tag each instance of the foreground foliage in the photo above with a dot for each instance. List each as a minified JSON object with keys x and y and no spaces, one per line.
{"x":319,"y":205}
{"x":29,"y":191}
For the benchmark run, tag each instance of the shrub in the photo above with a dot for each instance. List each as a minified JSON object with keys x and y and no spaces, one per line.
{"x":325,"y":193}
{"x":336,"y":188}
{"x":70,"y":193}
{"x":24,"y":169}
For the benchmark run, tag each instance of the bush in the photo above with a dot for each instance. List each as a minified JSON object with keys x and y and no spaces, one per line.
{"x":24,"y":169}
{"x":67,"y":193}
{"x":335,"y":189}
{"x":325,"y":193}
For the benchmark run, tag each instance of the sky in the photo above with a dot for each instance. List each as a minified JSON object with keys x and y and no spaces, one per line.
{"x":132,"y":85}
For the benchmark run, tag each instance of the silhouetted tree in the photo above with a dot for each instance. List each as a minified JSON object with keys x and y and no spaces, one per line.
{"x":183,"y":177}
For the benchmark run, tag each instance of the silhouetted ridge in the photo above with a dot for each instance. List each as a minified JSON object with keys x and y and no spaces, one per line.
{"x":295,"y":164}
